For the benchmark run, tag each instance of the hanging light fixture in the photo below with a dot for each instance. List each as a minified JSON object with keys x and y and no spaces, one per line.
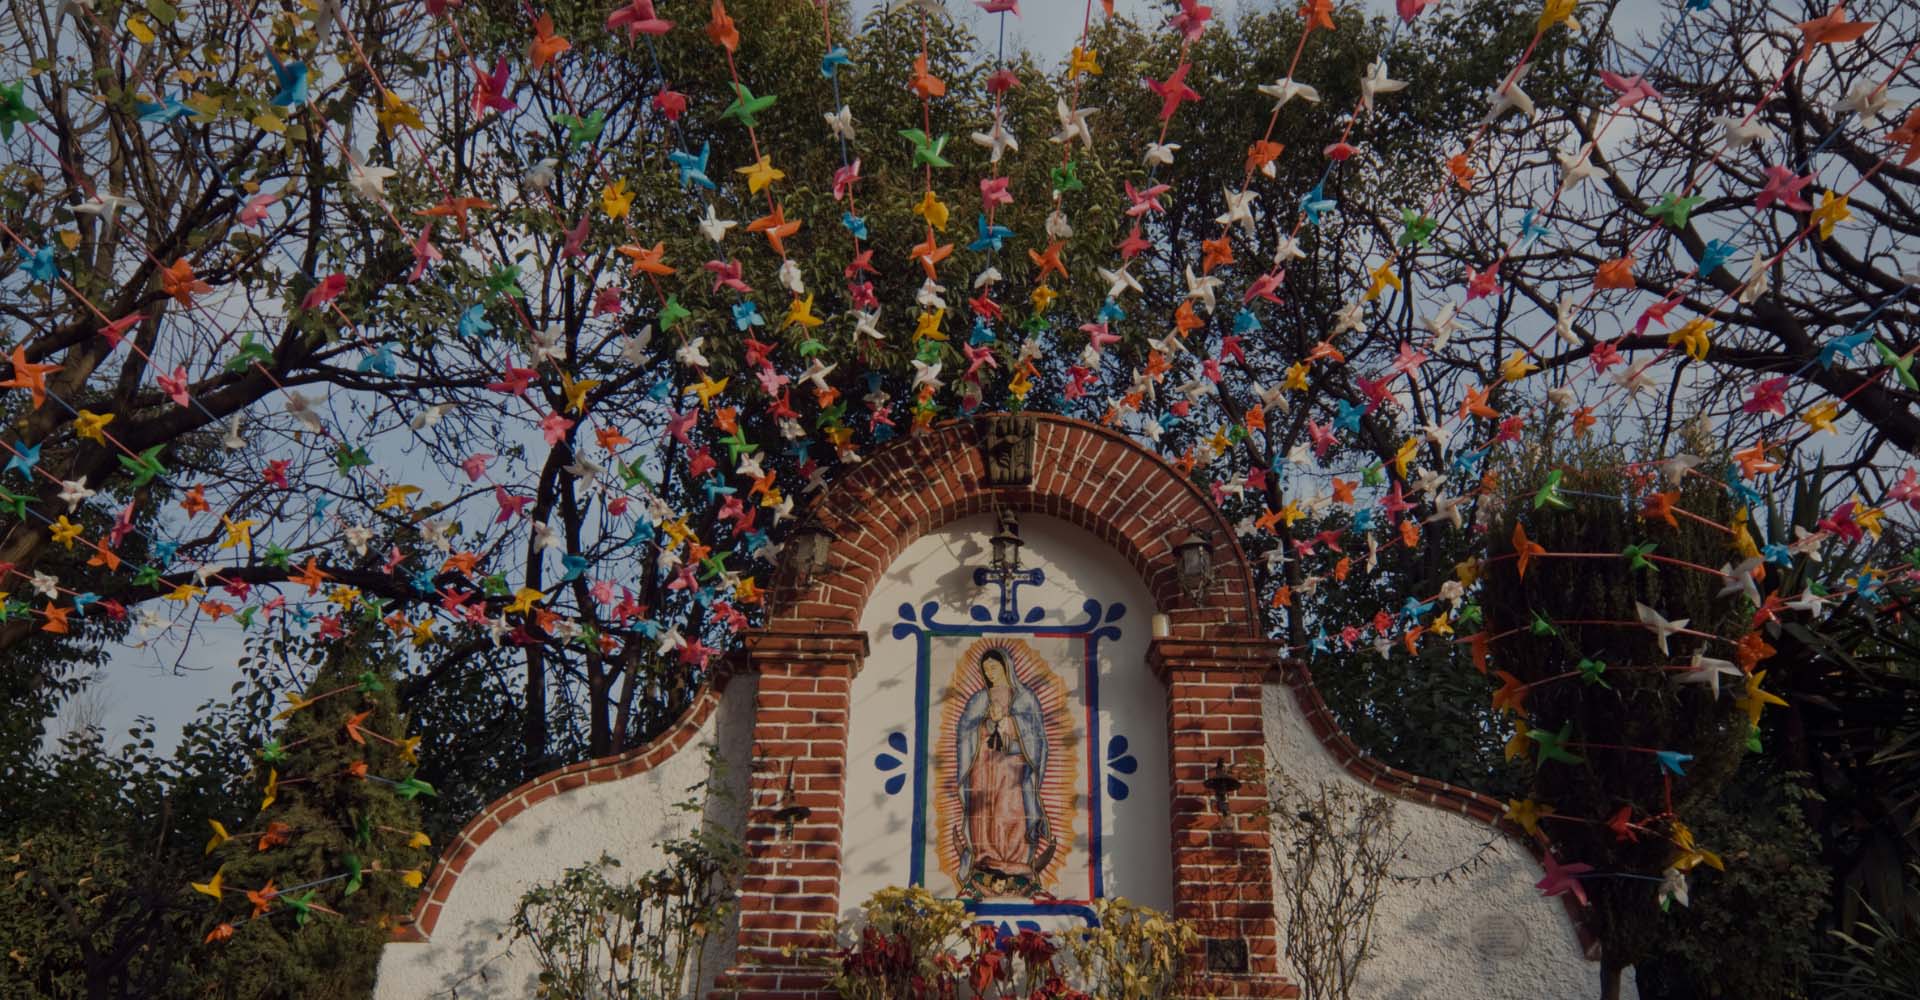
{"x":1006,"y":545}
{"x":1193,"y":562}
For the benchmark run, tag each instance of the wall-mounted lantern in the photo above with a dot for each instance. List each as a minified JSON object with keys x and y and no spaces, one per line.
{"x":791,"y":811}
{"x":807,"y":550}
{"x":1222,"y":784}
{"x":1193,"y":562}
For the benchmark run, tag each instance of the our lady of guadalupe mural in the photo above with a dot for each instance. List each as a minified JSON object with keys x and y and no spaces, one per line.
{"x":1006,"y":780}
{"x":1000,"y":760}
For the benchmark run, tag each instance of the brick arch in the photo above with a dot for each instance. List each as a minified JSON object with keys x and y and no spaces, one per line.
{"x":1089,"y":475}
{"x":1213,"y":661}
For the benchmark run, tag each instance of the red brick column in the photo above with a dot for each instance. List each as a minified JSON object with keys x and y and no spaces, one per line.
{"x":1222,"y":857}
{"x":790,"y":891}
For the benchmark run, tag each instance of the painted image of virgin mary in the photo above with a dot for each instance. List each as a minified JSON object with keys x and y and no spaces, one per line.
{"x":1001,"y":756}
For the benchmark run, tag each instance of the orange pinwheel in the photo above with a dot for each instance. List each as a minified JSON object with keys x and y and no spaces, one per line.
{"x":456,"y":209}
{"x":546,"y":45}
{"x":1461,"y":170}
{"x":1616,"y":273}
{"x":930,"y":254}
{"x":1831,"y":28}
{"x":924,"y":83}
{"x":1214,"y":253}
{"x":721,"y":29}
{"x":177,"y":280}
{"x":1476,"y":404}
{"x":353,"y":725}
{"x":262,"y":898}
{"x":29,"y":376}
{"x":1317,"y":14}
{"x":651,"y":261}
{"x":56,"y":619}
{"x":311,"y":575}
{"x":1185,"y":320}
{"x":1049,"y":261}
{"x":1479,"y":646}
{"x":1526,"y":548}
{"x":777,"y":228}
{"x":1512,"y":695}
{"x":1659,"y":507}
{"x":1908,"y":135}
{"x":1263,"y":152}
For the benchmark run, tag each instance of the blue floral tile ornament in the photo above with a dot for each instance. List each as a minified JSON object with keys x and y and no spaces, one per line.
{"x":889,"y":763}
{"x":1119,"y":762}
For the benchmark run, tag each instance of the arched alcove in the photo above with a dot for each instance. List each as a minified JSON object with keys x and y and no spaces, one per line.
{"x":823,"y":630}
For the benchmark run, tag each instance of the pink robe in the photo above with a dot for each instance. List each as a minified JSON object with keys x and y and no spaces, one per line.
{"x":997,"y":823}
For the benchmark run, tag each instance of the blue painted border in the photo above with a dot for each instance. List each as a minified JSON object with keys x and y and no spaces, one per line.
{"x":923,"y":625}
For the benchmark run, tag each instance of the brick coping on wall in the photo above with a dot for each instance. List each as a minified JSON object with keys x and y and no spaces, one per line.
{"x":613,"y":767}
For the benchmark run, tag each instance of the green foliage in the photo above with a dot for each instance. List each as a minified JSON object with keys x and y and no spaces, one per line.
{"x":598,"y":940}
{"x":1751,"y":930}
{"x":1880,"y":960}
{"x":315,"y":881}
{"x":1562,"y":612}
{"x":92,"y":844}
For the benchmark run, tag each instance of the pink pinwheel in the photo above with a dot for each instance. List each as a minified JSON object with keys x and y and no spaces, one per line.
{"x":1783,"y":186}
{"x":576,"y":238}
{"x":980,"y":357}
{"x":1410,"y":9}
{"x":844,"y":179}
{"x":514,"y":381}
{"x":1562,"y":879}
{"x":1768,"y":397}
{"x":326,"y":291}
{"x":606,"y":301}
{"x":254,"y":212}
{"x":175,"y":386}
{"x":1192,"y":19}
{"x":639,"y":18}
{"x":1173,"y":91}
{"x":490,"y":89}
{"x":680,"y":423}
{"x":1266,"y":286}
{"x":1632,"y":89}
{"x":999,"y":6}
{"x":424,"y":253}
{"x":475,"y":466}
{"x":510,"y":505}
{"x":1145,"y":201}
{"x":116,"y":331}
{"x":993,"y":191}
{"x":1322,"y":438}
{"x":554,"y":428}
{"x":1098,"y":336}
{"x":727,"y":275}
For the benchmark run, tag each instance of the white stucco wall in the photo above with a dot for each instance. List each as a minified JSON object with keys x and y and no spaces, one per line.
{"x":1430,"y":935}
{"x":470,"y":954}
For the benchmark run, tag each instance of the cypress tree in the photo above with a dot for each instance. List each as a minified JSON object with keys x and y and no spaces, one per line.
{"x":312,"y":887}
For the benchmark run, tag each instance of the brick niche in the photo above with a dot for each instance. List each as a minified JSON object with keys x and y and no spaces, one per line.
{"x":1213,"y":661}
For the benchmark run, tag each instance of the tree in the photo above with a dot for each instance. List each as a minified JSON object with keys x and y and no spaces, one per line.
{"x":1594,"y":600}
{"x":309,"y":891}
